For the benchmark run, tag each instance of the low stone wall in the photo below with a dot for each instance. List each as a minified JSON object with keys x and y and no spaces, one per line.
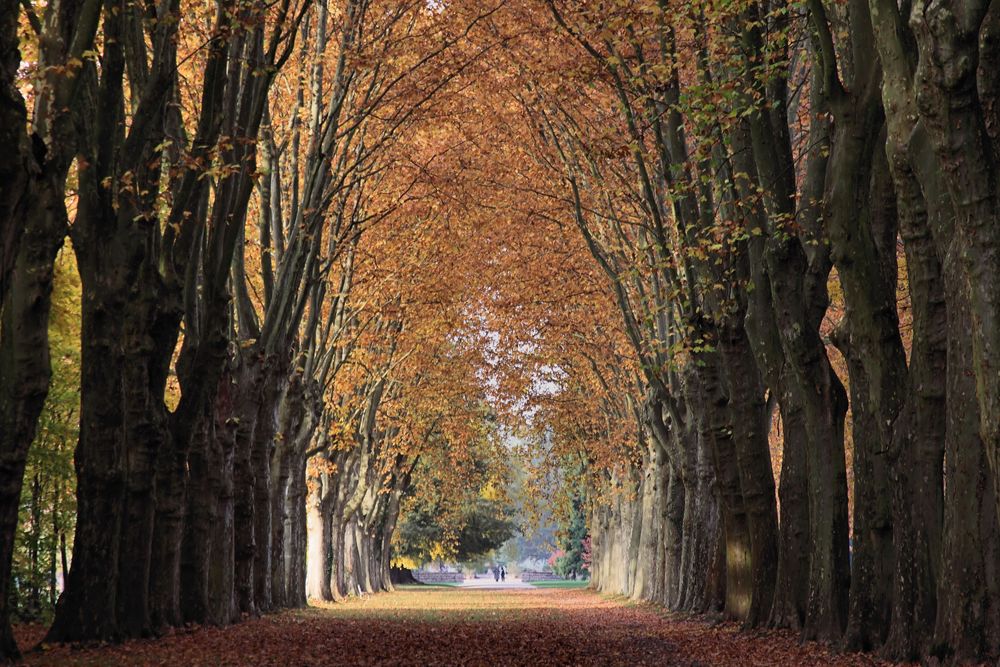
{"x":438,"y":577}
{"x":539,"y":576}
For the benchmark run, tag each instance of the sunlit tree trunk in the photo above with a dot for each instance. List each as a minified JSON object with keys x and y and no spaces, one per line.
{"x":748,"y":416}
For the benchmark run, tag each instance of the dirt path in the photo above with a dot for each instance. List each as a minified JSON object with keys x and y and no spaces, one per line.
{"x":460,"y":626}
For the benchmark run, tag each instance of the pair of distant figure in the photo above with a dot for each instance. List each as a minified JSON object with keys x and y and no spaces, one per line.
{"x":499,"y":573}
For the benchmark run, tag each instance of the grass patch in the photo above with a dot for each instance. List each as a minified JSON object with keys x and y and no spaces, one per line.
{"x":562,"y":583}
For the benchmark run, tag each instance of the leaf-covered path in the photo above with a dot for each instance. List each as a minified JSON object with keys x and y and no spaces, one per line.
{"x":458,"y":626}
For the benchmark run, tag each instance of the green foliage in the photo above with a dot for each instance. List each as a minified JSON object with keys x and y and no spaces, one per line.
{"x":457,"y":506}
{"x":571,"y":559}
{"x":48,"y":499}
{"x":484,"y":526}
{"x":487,"y":526}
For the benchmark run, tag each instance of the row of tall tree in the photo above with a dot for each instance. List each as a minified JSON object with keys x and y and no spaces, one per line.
{"x":732,"y":168}
{"x":255,"y":359}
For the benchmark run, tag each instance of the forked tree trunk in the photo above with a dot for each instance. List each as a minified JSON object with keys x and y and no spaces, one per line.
{"x":790,"y":588}
{"x":859,"y":214}
{"x":88,"y":609}
{"x":824,"y":404}
{"x":24,"y":367}
{"x":918,"y":447}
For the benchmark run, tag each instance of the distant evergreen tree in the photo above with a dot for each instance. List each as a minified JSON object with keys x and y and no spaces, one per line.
{"x":571,"y":564}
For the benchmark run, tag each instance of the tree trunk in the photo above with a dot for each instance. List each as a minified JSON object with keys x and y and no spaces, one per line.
{"x":24,"y":367}
{"x":792,"y":579}
{"x":290,"y":412}
{"x":389,"y":527}
{"x":872,"y":556}
{"x":956,"y":94}
{"x":702,"y":578}
{"x":644,"y":586}
{"x":674,"y":538}
{"x":363,"y":546}
{"x":223,"y":607}
{"x":747,"y":416}
{"x":966,"y":627}
{"x":860,"y":218}
{"x":716,"y":431}
{"x":339,"y":571}
{"x":247,"y":407}
{"x":171,"y":476}
{"x":918,"y":447}
{"x":148,"y":449}
{"x":791,"y":567}
{"x":201,"y":520}
{"x":261,"y":455}
{"x":88,"y":609}
{"x":295,"y":552}
{"x":278,"y":502}
{"x":207,"y":594}
{"x":824,"y":404}
{"x":34,"y":589}
{"x":918,"y":450}
{"x":319,"y":538}
{"x":17,"y":165}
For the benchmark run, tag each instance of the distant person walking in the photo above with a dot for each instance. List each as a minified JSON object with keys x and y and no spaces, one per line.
{"x":496,"y":573}
{"x":503,"y":573}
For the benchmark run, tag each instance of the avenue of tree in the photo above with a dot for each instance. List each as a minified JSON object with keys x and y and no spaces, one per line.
{"x":733,"y":267}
